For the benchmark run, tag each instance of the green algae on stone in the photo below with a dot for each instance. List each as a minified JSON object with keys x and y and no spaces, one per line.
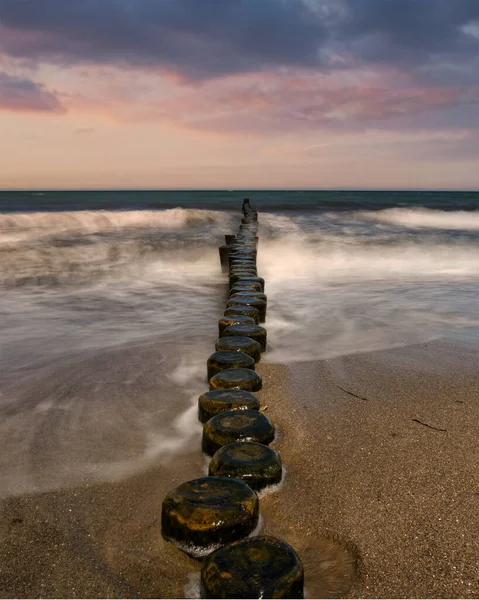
{"x":242,"y":267}
{"x":247,"y":311}
{"x":226,"y":321}
{"x":236,"y":426}
{"x":249,"y":293}
{"x":243,"y":271}
{"x":244,"y":255}
{"x":240,"y":344}
{"x":255,"y":464}
{"x":236,"y":379}
{"x":217,"y":401}
{"x":249,"y":263}
{"x":257,"y":567}
{"x":245,"y":286}
{"x":243,"y":262}
{"x":204,"y":514}
{"x":228,"y":359}
{"x":256,"y":288}
{"x":255,"y":332}
{"x":235,"y":279}
{"x":258,"y":303}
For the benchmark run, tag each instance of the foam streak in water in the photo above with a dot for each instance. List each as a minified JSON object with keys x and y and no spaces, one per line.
{"x":339,"y":298}
{"x":80,"y":246}
{"x":425,"y":218}
{"x":96,"y":221}
{"x":80,"y":427}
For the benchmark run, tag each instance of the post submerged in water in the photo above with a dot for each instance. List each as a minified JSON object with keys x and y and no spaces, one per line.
{"x":236,"y":435}
{"x":246,"y":206}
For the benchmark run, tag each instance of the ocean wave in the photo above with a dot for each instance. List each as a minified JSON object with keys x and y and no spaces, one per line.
{"x":99,"y":221}
{"x":417,"y":218}
{"x":56,"y":247}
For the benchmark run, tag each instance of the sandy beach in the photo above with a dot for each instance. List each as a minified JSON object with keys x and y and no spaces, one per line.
{"x":399,"y":496}
{"x":380,"y":496}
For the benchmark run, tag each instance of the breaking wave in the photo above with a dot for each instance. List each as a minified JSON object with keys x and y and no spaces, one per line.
{"x":425,"y":218}
{"x":64,"y":246}
{"x":98,"y":221}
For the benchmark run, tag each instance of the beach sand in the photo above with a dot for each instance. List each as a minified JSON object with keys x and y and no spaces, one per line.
{"x":376,"y":503}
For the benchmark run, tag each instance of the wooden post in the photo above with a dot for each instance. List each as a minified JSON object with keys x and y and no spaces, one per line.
{"x":224,"y":258}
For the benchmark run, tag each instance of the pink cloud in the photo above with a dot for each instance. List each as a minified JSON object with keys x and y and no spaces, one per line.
{"x":279,"y":102}
{"x":274,"y":102}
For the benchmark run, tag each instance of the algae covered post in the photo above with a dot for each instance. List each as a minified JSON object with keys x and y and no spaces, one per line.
{"x":215,"y":516}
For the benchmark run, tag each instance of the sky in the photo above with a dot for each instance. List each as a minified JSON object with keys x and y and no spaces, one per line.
{"x":239,"y":94}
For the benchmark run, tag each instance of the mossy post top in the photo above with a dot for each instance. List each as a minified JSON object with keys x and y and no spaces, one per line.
{"x":258,"y":567}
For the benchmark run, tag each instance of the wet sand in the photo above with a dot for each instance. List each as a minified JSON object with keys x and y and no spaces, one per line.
{"x":403,"y":497}
{"x":376,"y":503}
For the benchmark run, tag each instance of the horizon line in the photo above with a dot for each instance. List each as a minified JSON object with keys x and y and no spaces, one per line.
{"x":265,"y":189}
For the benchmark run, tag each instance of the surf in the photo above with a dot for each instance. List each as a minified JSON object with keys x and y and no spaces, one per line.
{"x":425,"y":218}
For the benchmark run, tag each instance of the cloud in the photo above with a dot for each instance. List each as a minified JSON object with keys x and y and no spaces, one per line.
{"x":302,"y":101}
{"x":248,"y":66}
{"x":21,"y":94}
{"x":406,"y":29}
{"x":204,"y":39}
{"x":414,"y":34}
{"x":197,"y":39}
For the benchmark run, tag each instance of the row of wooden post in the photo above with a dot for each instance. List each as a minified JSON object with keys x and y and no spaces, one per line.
{"x":216,"y":518}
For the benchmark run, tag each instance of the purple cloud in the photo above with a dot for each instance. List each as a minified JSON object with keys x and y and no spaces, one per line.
{"x":19,"y":94}
{"x":197,"y":39}
{"x":417,"y":35}
{"x":204,"y":39}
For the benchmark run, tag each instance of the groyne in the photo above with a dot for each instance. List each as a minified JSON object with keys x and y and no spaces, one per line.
{"x":216,"y":518}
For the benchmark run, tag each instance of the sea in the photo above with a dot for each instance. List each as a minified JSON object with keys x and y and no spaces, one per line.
{"x":135,"y":276}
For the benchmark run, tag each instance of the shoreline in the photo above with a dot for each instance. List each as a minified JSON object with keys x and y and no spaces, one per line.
{"x":376,"y":503}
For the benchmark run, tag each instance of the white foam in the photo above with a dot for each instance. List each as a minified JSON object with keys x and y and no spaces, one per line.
{"x":339,"y":297}
{"x":259,"y":527}
{"x":304,"y":265}
{"x":88,"y":245}
{"x":425,"y":218}
{"x":64,"y":468}
{"x":274,"y":488}
{"x":95,"y":221}
{"x":193,"y":585}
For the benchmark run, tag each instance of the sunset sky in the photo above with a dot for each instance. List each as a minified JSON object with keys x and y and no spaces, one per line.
{"x":239,"y":94}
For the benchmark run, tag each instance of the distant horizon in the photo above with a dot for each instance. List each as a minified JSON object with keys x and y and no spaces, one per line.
{"x":221,"y":189}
